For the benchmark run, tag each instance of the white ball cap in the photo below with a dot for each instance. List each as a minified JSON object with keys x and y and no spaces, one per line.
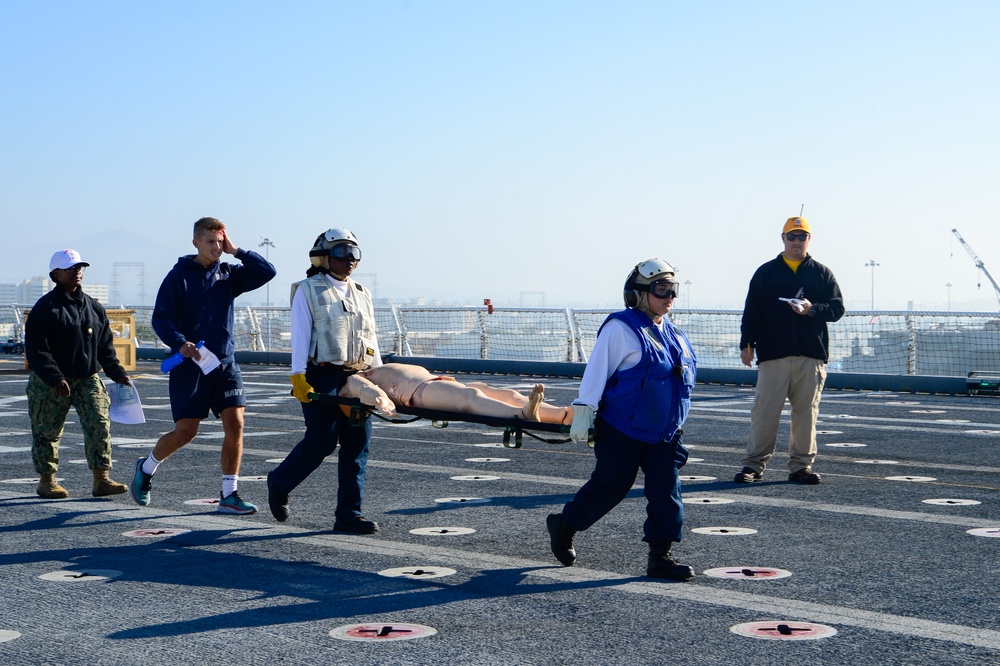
{"x":65,"y":259}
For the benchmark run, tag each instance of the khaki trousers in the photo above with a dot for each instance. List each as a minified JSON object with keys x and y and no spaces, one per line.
{"x":799,"y":379}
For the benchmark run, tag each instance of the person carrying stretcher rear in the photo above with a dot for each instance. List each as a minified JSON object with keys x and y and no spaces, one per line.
{"x":333,"y":337}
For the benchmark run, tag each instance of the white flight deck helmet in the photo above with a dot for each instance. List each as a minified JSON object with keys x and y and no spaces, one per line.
{"x":333,"y":243}
{"x":651,"y":275}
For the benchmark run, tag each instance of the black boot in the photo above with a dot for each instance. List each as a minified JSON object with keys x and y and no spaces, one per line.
{"x":561,"y":539}
{"x":661,"y":565}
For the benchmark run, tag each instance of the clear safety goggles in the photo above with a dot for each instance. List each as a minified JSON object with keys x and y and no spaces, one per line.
{"x":664,"y":288}
{"x":346,"y":251}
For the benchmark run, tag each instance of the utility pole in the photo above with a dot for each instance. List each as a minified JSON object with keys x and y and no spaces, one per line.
{"x":872,"y":264}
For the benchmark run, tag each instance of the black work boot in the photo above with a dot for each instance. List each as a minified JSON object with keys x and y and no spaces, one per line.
{"x":561,"y":539}
{"x":661,"y":565}
{"x":276,"y":502}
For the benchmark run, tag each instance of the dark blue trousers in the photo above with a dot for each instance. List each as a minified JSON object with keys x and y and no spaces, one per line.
{"x":326,"y":426}
{"x":619,"y":459}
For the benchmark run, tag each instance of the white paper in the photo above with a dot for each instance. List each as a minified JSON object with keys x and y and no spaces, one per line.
{"x":125,"y":404}
{"x":208,"y":361}
{"x":796,"y":303}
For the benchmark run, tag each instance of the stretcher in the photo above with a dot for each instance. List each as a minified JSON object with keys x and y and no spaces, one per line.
{"x":514,"y":429}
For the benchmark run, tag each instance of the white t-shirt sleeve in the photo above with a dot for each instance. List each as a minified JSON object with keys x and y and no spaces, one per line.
{"x":616,"y":348}
{"x":301,"y":327}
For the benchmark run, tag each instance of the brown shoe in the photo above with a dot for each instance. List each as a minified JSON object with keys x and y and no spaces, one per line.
{"x":805,"y":476}
{"x":49,"y":488}
{"x":104,"y":486}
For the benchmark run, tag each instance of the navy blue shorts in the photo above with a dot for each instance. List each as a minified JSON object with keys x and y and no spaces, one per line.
{"x":193,"y":393}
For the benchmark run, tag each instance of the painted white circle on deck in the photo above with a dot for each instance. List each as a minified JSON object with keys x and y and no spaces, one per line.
{"x":991,"y":433}
{"x":462,"y":500}
{"x":984,"y":531}
{"x":487,"y":460}
{"x":919,"y":479}
{"x":697,"y":478}
{"x":417,"y":572}
{"x":8,"y":635}
{"x":490,"y":446}
{"x":952,"y":502}
{"x":927,"y":411}
{"x":845,"y":445}
{"x":784,"y":630}
{"x":153,"y":532}
{"x":724,"y":531}
{"x":442,"y":531}
{"x":382,"y":632}
{"x":829,"y":432}
{"x":748,"y":573}
{"x":204,"y":500}
{"x":877,"y":462}
{"x":706,"y":500}
{"x":474,"y":477}
{"x":87,"y":576}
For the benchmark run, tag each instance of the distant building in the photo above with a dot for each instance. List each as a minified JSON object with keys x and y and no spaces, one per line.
{"x":32,"y":289}
{"x":99,"y":292}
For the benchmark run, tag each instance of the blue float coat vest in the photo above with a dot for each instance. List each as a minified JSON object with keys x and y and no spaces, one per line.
{"x":650,"y":401}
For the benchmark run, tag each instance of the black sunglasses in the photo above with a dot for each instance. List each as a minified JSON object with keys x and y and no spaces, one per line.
{"x":797,"y":237}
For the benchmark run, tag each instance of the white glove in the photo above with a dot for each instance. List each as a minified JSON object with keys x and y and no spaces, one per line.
{"x":583,"y":421}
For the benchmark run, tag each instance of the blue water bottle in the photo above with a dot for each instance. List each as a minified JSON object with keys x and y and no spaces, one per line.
{"x":172,"y":362}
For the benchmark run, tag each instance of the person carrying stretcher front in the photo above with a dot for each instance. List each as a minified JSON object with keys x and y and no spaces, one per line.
{"x":635,"y":394}
{"x":333,"y":337}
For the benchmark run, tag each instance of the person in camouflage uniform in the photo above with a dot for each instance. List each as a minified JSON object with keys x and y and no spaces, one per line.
{"x":67,"y":337}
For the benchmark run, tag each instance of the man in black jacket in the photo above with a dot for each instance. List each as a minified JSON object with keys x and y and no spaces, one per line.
{"x":790,"y":300}
{"x":67,"y":338}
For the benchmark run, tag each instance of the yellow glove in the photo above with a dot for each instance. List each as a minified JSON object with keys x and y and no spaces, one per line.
{"x":583,"y":421}
{"x":301,"y":388}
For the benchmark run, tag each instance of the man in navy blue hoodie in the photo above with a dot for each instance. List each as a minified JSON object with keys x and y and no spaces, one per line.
{"x":195,"y":304}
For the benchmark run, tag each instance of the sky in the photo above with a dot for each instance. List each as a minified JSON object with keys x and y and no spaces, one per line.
{"x":529,"y":152}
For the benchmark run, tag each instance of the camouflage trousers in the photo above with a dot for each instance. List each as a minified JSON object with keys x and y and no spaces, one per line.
{"x":48,"y":416}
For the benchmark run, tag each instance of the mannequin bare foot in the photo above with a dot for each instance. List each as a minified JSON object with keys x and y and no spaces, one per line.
{"x":530,"y":411}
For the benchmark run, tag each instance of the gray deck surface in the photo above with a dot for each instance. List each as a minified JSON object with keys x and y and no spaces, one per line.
{"x":900,"y":580}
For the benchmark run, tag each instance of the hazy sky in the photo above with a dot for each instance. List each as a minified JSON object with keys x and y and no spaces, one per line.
{"x":511,"y":149}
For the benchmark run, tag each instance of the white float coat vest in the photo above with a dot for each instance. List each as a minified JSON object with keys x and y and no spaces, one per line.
{"x":343,"y":330}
